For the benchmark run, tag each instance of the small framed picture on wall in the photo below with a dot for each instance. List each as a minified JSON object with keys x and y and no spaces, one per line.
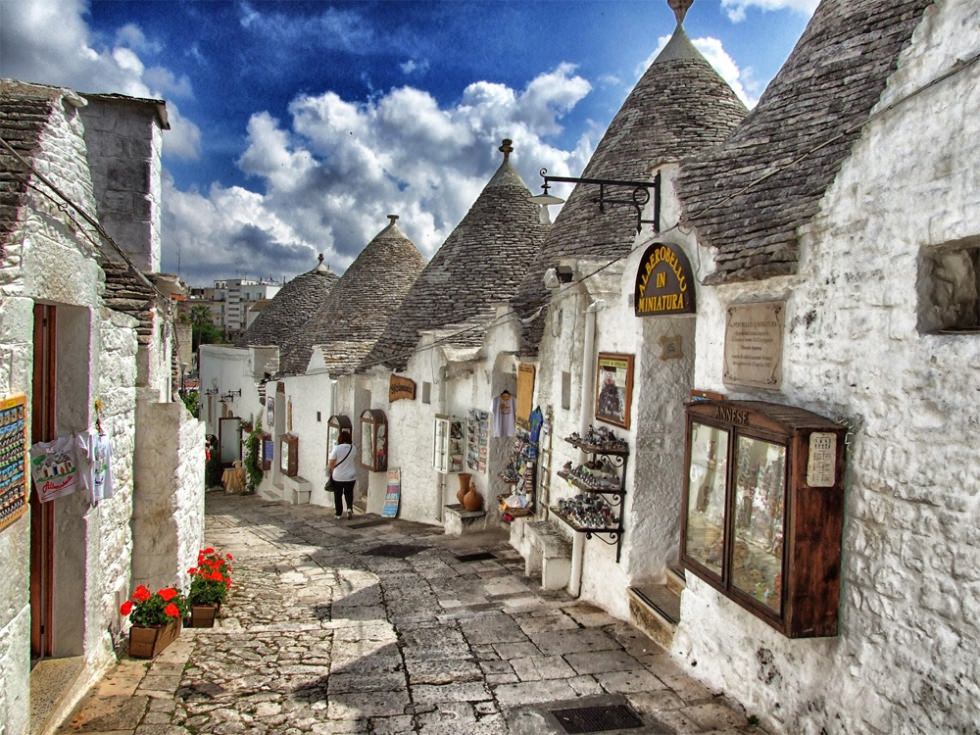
{"x":614,"y":388}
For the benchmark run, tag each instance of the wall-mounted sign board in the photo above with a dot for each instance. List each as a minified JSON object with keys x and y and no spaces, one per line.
{"x":14,"y":487}
{"x":754,"y":345}
{"x":664,"y":282}
{"x":400,"y":388}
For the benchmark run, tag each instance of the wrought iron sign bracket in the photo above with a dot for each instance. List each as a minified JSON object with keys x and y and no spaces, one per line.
{"x":639,"y":198}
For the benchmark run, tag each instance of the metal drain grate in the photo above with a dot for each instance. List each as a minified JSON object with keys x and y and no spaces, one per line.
{"x":397,"y":551}
{"x":597,"y":719}
{"x":368,"y":523}
{"x":475,"y":556}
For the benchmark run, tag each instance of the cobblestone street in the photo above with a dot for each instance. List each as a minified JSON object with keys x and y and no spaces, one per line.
{"x":333,"y":628}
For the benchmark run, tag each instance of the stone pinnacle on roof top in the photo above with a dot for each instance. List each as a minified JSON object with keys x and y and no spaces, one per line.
{"x":680,"y":8}
{"x":506,"y":147}
{"x":392,"y":219}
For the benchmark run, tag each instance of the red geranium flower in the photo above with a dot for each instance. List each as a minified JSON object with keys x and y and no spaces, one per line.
{"x":167,"y":593}
{"x":141,"y":594}
{"x":192,"y":571}
{"x":126,"y":608}
{"x":209,"y":550}
{"x":217,"y":576}
{"x":229,"y":557}
{"x":171,"y":611}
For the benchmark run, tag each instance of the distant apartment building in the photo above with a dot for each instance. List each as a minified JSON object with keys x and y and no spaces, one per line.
{"x":228,"y":301}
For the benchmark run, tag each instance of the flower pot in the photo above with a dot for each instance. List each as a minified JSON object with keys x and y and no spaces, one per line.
{"x":202,"y":616}
{"x":464,"y":485}
{"x":147,"y":642}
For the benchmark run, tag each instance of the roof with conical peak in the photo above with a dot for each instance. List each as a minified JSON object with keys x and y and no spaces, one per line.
{"x":749,"y":197}
{"x":479,"y":265}
{"x":356,"y":312}
{"x":290,"y":308}
{"x":678,"y":107}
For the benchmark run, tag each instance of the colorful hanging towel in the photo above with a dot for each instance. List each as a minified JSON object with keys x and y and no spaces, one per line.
{"x":54,"y":468}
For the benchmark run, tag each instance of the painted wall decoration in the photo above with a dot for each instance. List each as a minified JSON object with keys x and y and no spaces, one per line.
{"x":13,"y":460}
{"x":664,"y":282}
{"x":614,"y":388}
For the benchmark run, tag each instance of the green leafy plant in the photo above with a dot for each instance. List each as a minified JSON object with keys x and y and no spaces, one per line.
{"x":253,"y":458}
{"x":148,"y":609}
{"x":211,"y":578}
{"x":192,"y":400}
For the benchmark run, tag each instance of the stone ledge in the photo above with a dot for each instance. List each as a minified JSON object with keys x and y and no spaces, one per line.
{"x":457,"y":520}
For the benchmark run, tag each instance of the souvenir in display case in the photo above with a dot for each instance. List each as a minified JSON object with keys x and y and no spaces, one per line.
{"x":289,"y":454}
{"x":334,"y":425}
{"x":374,"y":440}
{"x":447,"y":444}
{"x":763,"y":510}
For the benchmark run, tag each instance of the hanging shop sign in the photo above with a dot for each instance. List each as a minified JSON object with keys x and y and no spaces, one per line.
{"x":664,"y":282}
{"x":400,"y":388}
{"x":754,"y":345}
{"x":14,"y":490}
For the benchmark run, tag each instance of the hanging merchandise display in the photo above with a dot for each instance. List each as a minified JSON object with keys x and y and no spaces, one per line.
{"x":94,"y":452}
{"x":521,"y":472}
{"x":502,"y":408}
{"x":54,"y":468}
{"x":14,"y":491}
{"x":477,"y":440}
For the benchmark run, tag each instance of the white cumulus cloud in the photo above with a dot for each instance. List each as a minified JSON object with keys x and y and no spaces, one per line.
{"x":332,"y":171}
{"x":735,"y":9}
{"x":48,"y":41}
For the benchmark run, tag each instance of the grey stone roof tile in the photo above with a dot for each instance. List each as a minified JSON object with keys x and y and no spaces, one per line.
{"x":794,"y":142}
{"x":481,"y":264}
{"x":356,"y":311}
{"x":678,"y":107}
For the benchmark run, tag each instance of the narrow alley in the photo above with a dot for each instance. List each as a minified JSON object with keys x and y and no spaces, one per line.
{"x":373,"y":626}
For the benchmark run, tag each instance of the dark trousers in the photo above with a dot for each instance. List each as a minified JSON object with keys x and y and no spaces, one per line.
{"x":343,"y":491}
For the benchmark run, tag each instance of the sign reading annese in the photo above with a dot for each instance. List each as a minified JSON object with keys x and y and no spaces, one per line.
{"x":664,"y":282}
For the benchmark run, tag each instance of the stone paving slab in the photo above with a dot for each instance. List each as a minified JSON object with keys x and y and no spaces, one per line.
{"x":319,"y":638}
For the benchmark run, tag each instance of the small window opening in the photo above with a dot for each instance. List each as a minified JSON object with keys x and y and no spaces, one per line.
{"x":426,"y":392}
{"x":949,"y":289}
{"x":566,"y":390}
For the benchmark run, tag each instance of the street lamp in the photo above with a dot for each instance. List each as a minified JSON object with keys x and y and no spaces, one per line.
{"x":639,"y":197}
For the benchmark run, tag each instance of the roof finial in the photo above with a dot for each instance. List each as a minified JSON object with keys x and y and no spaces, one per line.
{"x":506,"y":148}
{"x":680,"y":8}
{"x":319,"y":258}
{"x":393,"y":218}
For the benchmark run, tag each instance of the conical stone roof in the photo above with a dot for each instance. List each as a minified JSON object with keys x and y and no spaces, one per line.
{"x":480,"y":265}
{"x":290,"y":308}
{"x":749,"y":197}
{"x":678,"y":107}
{"x":356,"y":312}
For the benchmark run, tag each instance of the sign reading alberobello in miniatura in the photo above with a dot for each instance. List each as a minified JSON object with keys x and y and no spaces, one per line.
{"x":664,"y":282}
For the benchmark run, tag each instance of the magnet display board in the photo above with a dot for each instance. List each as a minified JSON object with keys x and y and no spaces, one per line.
{"x":14,"y":487}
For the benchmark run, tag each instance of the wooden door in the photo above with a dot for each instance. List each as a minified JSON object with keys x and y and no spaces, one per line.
{"x":42,"y":514}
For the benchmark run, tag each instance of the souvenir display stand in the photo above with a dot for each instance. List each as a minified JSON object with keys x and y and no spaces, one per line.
{"x":447,"y":444}
{"x":597,"y":511}
{"x":763,"y":510}
{"x":477,"y":440}
{"x":521,"y":475}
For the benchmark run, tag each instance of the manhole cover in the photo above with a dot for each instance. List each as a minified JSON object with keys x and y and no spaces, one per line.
{"x":397,"y":551}
{"x":368,"y":523}
{"x":475,"y":556}
{"x":597,"y":719}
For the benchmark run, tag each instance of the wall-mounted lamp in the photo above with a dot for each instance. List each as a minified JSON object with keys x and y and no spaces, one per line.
{"x":230,"y":395}
{"x":639,"y":198}
{"x":211,"y":392}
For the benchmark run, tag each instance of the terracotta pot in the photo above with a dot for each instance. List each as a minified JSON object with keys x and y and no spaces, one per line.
{"x":464,"y":485}
{"x":147,"y":642}
{"x":473,"y":500}
{"x":202,"y":616}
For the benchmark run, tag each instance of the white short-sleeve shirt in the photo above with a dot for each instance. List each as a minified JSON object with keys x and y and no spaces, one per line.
{"x":346,"y":468}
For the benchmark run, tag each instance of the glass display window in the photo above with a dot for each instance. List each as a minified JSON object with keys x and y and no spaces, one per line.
{"x":334,"y":425}
{"x":374,"y":440}
{"x":763,"y":508}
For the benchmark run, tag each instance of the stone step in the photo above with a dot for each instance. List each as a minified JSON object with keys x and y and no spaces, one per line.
{"x":656,"y":610}
{"x":676,"y":581}
{"x":56,"y":684}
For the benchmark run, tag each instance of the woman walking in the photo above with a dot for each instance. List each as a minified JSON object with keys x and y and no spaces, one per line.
{"x":342,"y":470}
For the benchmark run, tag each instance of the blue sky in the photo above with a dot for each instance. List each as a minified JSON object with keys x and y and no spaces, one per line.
{"x":298,"y":125}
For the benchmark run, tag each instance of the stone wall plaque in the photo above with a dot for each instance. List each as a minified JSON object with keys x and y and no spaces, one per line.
{"x":754,"y":345}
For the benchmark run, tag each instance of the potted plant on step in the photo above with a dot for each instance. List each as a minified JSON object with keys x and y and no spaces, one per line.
{"x":210,"y":582}
{"x":155,"y":618}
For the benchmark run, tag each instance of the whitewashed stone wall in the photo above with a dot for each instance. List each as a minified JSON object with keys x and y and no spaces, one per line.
{"x":907,"y":659}
{"x":310,"y":395}
{"x":168,"y":500}
{"x":225,"y":369}
{"x":47,"y":259}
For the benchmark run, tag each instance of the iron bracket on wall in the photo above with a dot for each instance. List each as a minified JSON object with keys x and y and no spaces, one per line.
{"x":639,"y":198}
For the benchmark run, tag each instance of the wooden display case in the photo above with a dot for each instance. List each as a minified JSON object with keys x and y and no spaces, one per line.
{"x":763,"y":510}
{"x":447,"y":444}
{"x":374,"y":440}
{"x":289,"y":455}
{"x":334,"y":424}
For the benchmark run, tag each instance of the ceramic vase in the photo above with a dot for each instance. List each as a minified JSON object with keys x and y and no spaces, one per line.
{"x":472,"y":500}
{"x":464,"y":486}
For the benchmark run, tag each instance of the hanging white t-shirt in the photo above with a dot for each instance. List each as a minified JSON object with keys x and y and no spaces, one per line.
{"x":346,"y":457}
{"x":95,"y":455}
{"x":54,"y":468}
{"x":503,"y":416}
